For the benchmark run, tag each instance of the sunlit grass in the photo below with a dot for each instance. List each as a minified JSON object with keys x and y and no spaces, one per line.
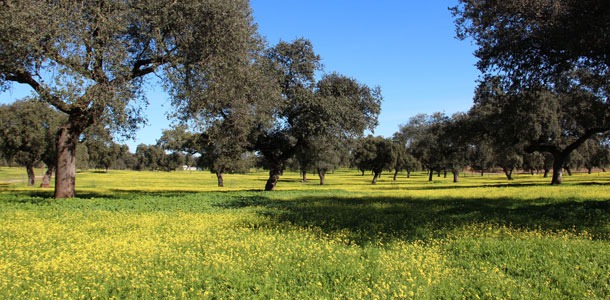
{"x":145,"y":235}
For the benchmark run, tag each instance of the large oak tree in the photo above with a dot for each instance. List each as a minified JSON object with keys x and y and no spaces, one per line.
{"x":90,"y":59}
{"x":550,"y":57}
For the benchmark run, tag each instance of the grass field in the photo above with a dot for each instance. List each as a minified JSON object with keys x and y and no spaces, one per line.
{"x":143,"y":235}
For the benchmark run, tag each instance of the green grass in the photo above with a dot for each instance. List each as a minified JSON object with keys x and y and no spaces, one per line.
{"x":135,"y":235}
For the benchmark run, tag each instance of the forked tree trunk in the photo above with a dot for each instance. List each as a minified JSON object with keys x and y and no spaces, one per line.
{"x":274,"y":176}
{"x":65,"y":174}
{"x":46,"y":179}
{"x":31,"y":176}
{"x":220,"y":179}
{"x":322,"y":175}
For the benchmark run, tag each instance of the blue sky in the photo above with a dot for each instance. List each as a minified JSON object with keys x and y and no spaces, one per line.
{"x":408,"y":48}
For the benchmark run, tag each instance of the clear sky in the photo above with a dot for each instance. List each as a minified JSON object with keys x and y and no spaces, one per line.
{"x":408,"y":48}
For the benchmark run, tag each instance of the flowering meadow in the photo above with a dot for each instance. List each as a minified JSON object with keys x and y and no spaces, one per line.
{"x":154,"y":235}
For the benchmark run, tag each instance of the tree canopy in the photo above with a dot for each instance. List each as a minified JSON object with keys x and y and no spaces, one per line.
{"x":90,"y":60}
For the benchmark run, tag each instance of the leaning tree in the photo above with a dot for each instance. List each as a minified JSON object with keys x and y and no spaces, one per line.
{"x":90,"y":60}
{"x":550,"y":56}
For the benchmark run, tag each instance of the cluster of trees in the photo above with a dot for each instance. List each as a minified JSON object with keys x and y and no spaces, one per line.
{"x":91,"y":61}
{"x":542,"y":98}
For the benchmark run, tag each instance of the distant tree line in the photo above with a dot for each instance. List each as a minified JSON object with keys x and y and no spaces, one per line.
{"x":541,"y":103}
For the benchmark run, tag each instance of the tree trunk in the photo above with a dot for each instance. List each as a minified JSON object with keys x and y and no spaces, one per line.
{"x":274,"y":176}
{"x":395,"y":174}
{"x":46,"y":179}
{"x":508,"y":172}
{"x":221,"y":182}
{"x":430,"y":174}
{"x":322,"y":175}
{"x":482,"y":172}
{"x":31,"y":176}
{"x":408,"y":173}
{"x":376,"y":175}
{"x":444,"y":173}
{"x":456,"y":175}
{"x":557,"y":169}
{"x":65,"y":174}
{"x":546,"y":173}
{"x":304,"y":174}
{"x":569,"y":170}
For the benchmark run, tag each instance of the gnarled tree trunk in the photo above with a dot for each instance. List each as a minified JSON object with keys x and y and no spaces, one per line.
{"x":274,"y":176}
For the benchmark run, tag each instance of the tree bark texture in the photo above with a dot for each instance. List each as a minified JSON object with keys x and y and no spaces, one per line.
{"x":46,"y":179}
{"x":220,"y":179}
{"x":31,"y":176}
{"x":322,"y":175}
{"x":274,"y":176}
{"x":65,"y":175}
{"x":557,"y":169}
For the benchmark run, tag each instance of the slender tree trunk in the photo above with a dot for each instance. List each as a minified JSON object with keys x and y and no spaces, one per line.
{"x":31,"y":176}
{"x":589,"y":170}
{"x":221,"y":181}
{"x":508,"y":172}
{"x":546,"y":173}
{"x":482,"y":172}
{"x":395,"y":174}
{"x":376,"y":175}
{"x":456,"y":175}
{"x":65,"y":174}
{"x":322,"y":175}
{"x":46,"y":179}
{"x":304,"y":174}
{"x":408,"y":173}
{"x":430,"y":174}
{"x":274,"y":176}
{"x":444,"y":173}
{"x":557,"y":169}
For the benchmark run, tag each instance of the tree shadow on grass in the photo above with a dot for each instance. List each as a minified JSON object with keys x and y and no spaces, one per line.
{"x":371,"y":219}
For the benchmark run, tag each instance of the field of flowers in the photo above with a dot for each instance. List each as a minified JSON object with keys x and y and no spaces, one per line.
{"x":151,"y":235}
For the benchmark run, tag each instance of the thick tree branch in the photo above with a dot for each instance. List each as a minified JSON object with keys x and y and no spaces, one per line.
{"x":27,"y":78}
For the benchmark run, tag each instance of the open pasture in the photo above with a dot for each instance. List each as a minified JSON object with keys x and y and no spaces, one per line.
{"x":137,"y":235}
